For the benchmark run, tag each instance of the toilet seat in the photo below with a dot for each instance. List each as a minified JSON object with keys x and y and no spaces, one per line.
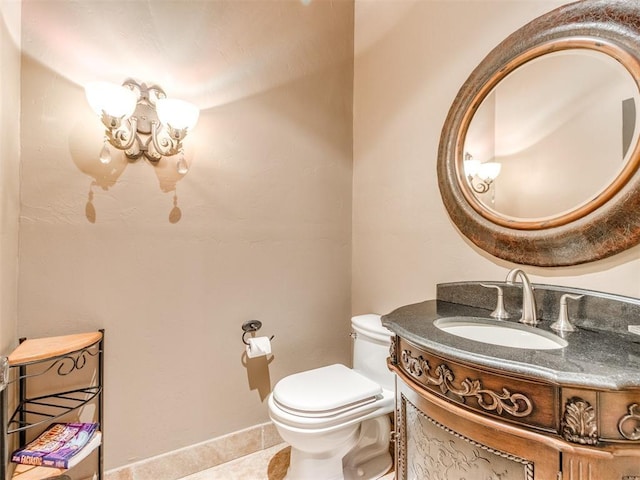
{"x":326,"y":397}
{"x":325,"y":391}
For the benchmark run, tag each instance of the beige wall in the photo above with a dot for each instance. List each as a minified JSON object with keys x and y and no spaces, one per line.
{"x":264,"y":222}
{"x":410,"y":60}
{"x":9,"y":170}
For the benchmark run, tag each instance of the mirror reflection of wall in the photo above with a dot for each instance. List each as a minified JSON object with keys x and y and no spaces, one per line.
{"x":548,"y":121}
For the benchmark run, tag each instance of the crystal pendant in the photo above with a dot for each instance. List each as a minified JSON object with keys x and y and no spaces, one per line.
{"x":182,"y":165}
{"x":105,"y":154}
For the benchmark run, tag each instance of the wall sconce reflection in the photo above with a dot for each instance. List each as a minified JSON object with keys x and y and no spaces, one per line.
{"x":480,"y":175}
{"x":142,"y":121}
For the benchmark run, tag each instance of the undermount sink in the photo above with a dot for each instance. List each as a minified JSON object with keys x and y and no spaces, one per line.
{"x":500,"y":332}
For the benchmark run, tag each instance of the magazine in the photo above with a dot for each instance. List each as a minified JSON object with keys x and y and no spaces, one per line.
{"x":60,"y":445}
{"x":73,"y":458}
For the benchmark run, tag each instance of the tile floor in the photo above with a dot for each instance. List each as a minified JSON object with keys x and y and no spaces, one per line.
{"x":269,"y":464}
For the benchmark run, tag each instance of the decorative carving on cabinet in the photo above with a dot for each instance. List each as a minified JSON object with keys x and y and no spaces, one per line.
{"x":441,"y":452}
{"x":633,"y":418}
{"x":515,"y":404}
{"x":392,"y":351}
{"x":579,"y":422}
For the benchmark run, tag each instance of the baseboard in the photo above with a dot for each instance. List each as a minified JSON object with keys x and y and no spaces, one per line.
{"x":195,"y":458}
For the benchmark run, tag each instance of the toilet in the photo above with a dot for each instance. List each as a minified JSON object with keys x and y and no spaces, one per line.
{"x":336,"y":418}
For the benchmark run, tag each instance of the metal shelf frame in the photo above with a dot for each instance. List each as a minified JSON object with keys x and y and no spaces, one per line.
{"x":40,"y":410}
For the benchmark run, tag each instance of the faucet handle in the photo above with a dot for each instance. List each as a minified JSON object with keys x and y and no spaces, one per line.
{"x":563,"y":324}
{"x":500,"y":312}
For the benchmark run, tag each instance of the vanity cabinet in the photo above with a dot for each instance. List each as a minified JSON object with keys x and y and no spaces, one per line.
{"x":50,"y":380}
{"x":441,"y":441}
{"x":456,"y":420}
{"x":596,"y":465}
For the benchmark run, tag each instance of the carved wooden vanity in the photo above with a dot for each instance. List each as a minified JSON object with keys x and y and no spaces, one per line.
{"x":465,"y":410}
{"x":472,"y":419}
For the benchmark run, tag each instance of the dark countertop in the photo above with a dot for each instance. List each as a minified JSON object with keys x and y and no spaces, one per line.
{"x":594,"y":358}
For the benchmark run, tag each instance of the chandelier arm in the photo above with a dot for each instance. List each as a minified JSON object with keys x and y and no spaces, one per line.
{"x":481,"y":187}
{"x":166,"y":146}
{"x":149,"y":152}
{"x":131,"y":155}
{"x":151,"y":157}
{"x":133,"y":85}
{"x":158,"y":94}
{"x":124,"y":136}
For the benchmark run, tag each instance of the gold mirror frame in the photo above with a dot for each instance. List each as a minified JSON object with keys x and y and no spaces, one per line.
{"x":607,"y":224}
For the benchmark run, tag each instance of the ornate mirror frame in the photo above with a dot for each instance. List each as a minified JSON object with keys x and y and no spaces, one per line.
{"x":607,"y":224}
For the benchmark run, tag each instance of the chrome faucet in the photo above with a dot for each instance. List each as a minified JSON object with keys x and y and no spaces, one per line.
{"x":528,"y":300}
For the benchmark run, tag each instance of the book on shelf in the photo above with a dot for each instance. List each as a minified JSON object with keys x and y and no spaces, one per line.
{"x":62,"y":445}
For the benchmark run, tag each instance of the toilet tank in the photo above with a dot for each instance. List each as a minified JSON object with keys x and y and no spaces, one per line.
{"x":371,"y":349}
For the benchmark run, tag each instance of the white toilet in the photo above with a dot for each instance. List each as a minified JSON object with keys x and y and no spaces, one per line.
{"x":336,"y":419}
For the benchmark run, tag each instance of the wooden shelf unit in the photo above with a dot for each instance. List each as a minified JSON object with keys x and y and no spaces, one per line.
{"x":34,"y":358}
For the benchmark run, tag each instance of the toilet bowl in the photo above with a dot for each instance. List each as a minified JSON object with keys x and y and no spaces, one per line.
{"x":337,"y":419}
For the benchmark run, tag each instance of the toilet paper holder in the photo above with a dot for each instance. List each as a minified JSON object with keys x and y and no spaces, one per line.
{"x":251,"y":326}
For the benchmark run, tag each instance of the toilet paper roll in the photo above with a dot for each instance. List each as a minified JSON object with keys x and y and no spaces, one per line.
{"x":258,"y":347}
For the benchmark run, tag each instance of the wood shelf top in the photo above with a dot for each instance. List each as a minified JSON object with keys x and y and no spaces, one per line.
{"x":28,"y":472}
{"x":36,"y":349}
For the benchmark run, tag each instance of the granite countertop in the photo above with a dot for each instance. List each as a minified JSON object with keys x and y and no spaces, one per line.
{"x":594,"y":358}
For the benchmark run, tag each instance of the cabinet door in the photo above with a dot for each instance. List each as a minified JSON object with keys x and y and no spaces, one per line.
{"x":438,"y":440}
{"x":624,"y":465}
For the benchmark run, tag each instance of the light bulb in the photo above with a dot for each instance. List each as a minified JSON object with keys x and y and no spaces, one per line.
{"x":177,"y":113}
{"x":115,"y":100}
{"x":471,"y":167}
{"x":489,"y":171}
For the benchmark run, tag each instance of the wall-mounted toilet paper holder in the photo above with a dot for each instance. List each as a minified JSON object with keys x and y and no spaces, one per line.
{"x":251,"y":326}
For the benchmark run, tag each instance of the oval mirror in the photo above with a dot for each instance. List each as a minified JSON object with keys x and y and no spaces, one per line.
{"x":560,"y":115}
{"x":538,"y":160}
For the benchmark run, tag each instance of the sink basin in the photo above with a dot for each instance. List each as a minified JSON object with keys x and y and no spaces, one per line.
{"x":500,"y":332}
